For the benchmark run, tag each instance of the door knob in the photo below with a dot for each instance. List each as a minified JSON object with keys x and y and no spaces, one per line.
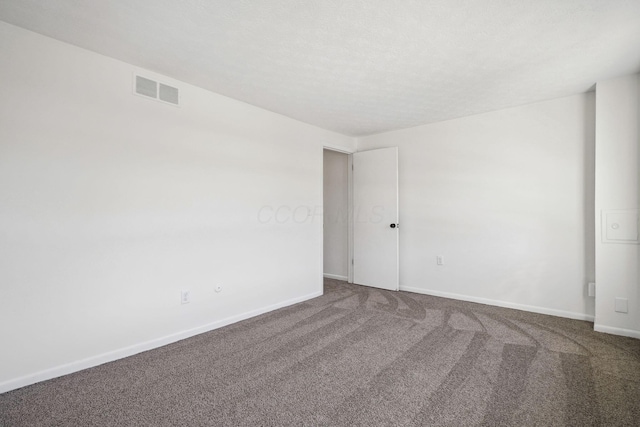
{"x":393,"y":225}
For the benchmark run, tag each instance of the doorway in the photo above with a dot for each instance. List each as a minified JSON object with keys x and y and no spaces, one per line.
{"x":360,"y":217}
{"x":336,"y":257}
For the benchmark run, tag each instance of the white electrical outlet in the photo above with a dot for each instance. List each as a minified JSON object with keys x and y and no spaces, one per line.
{"x":219,"y":288}
{"x":440,"y":260}
{"x":185,"y":297}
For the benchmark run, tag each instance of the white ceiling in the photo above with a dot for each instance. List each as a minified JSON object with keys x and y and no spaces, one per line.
{"x":358,"y":67}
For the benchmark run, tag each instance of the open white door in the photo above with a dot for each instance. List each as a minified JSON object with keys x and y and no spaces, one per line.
{"x":375,"y":218}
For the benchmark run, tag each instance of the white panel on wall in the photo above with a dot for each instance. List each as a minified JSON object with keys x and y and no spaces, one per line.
{"x":620,"y":226}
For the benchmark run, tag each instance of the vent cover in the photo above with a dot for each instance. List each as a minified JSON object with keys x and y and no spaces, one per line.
{"x":169,"y":94}
{"x":158,"y":91}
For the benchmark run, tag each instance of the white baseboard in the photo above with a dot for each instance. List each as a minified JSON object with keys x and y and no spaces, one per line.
{"x":111,"y":356}
{"x":505,"y":304}
{"x":617,"y":331}
{"x":335,"y":276}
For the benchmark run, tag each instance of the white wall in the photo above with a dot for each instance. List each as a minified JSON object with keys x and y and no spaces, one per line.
{"x":336,"y":215}
{"x":112,"y":203}
{"x":617,"y":187}
{"x":507,"y":198}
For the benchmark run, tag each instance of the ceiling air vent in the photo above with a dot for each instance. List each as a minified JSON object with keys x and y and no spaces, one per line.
{"x":158,"y":91}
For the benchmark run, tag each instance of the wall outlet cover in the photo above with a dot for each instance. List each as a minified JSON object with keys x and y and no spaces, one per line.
{"x":185,"y":297}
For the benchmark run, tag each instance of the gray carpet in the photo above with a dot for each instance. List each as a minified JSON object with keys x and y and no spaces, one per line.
{"x":358,"y":356}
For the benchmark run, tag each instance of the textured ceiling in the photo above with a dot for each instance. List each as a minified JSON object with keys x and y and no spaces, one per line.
{"x":358,"y":67}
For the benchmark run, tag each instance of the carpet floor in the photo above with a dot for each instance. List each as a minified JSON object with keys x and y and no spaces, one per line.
{"x":358,"y":356}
